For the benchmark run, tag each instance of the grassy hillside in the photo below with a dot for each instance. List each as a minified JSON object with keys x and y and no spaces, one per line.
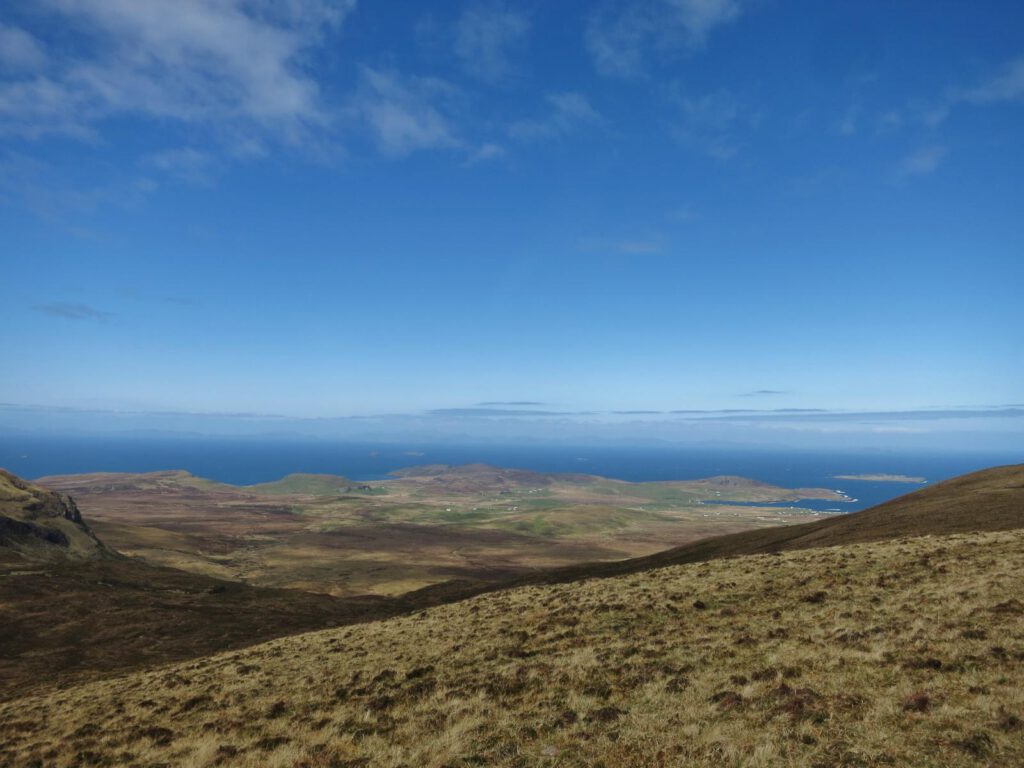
{"x":66,"y":616}
{"x":312,"y":485}
{"x":66,"y":621}
{"x":988,"y":500}
{"x":906,"y":653}
{"x":38,"y":524}
{"x":72,"y":609}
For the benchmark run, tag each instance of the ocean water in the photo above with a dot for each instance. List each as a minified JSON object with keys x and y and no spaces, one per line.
{"x":247,"y":461}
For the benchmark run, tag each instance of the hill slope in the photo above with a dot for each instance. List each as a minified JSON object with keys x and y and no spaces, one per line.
{"x":906,"y":652}
{"x":37,"y":524}
{"x":62,"y":623}
{"x":72,"y":609}
{"x":154,"y":615}
{"x":988,"y":500}
{"x":312,"y":484}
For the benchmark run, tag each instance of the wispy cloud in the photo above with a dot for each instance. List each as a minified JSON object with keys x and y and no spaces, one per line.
{"x":763,"y":393}
{"x":1002,"y":87}
{"x":638,"y":246}
{"x":70,"y":311}
{"x":1005,"y":86}
{"x":57,"y":195}
{"x":181,"y":301}
{"x":404,"y":113}
{"x":517,"y":403}
{"x":231,"y":65}
{"x":848,"y":124}
{"x":713,"y":123}
{"x":922,"y":161}
{"x":775,"y":415}
{"x":186,"y":164}
{"x":889,"y":121}
{"x":20,"y":51}
{"x":567,"y":111}
{"x":485,"y":152}
{"x":683,"y":213}
{"x":619,"y":36}
{"x":841,"y":429}
{"x":814,"y":414}
{"x":488,"y":413}
{"x":485,"y":35}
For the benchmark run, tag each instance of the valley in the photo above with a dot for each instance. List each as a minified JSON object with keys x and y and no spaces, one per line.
{"x":426,"y":525}
{"x":890,"y":636}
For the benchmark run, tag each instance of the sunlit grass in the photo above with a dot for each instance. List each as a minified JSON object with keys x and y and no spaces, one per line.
{"x":900,"y":653}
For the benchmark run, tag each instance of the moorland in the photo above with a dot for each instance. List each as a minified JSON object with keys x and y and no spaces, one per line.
{"x":170,"y":566}
{"x":425,"y":525}
{"x":891,"y":636}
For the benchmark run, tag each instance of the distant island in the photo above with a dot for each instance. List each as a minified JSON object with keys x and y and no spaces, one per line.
{"x":882,"y":478}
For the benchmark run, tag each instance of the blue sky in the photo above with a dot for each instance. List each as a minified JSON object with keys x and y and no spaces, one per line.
{"x":323,"y":209}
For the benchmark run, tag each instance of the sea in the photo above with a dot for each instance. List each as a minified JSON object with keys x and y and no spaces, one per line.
{"x":248,"y":461}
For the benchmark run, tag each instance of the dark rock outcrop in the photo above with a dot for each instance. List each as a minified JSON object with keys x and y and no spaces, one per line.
{"x":36,"y":522}
{"x":14,"y":532}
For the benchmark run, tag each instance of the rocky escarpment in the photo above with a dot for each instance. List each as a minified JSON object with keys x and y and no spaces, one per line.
{"x":38,"y":523}
{"x":14,"y":532}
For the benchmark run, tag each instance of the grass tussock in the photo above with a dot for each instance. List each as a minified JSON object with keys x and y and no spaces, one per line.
{"x":908,"y":652}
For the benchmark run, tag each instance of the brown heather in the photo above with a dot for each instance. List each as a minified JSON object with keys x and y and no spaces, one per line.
{"x":904,"y":653}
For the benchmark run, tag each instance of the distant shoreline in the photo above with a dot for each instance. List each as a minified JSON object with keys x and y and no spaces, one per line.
{"x":882,"y":478}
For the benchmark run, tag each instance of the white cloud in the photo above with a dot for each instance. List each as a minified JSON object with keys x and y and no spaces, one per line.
{"x":639,"y":247}
{"x":19,"y":51}
{"x":619,"y":36}
{"x":712,"y":123}
{"x":186,"y":163}
{"x":488,"y":151}
{"x":890,"y":121}
{"x":235,"y":64}
{"x":1006,"y":86}
{"x":630,"y":246}
{"x":403,"y":113}
{"x":567,"y":112}
{"x":848,"y":124}
{"x":41,"y":189}
{"x":923,"y":161}
{"x":683,"y":213}
{"x":484,"y":36}
{"x":71,"y":311}
{"x":40,"y":105}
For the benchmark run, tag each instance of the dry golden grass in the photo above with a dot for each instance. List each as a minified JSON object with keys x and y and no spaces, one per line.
{"x":899,"y":653}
